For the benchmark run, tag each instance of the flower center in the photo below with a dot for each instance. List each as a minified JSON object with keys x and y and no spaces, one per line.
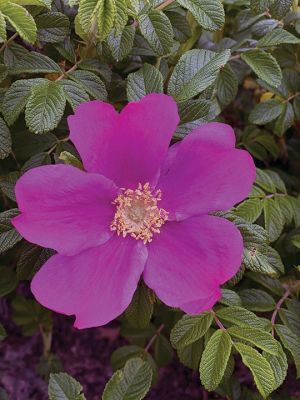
{"x":137,"y":213}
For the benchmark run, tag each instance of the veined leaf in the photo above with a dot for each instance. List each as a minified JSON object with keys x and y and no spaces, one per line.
{"x":264,"y":65}
{"x":140,"y":310}
{"x":261,"y":370}
{"x":74,"y":93}
{"x":189,"y":329}
{"x":121,"y":44}
{"x":146,"y":80}
{"x":266,"y":112}
{"x":274,"y":221}
{"x":250,"y":209}
{"x":90,"y":82}
{"x":45,"y":107}
{"x":278,"y":364}
{"x":277,"y":36}
{"x":63,"y":387}
{"x":52,"y":27}
{"x":257,"y":300}
{"x":5,"y":140}
{"x":8,"y":235}
{"x":262,"y":340}
{"x":291,"y":342}
{"x":3,"y":35}
{"x":240,"y":316}
{"x":190,"y":355}
{"x":195,"y":71}
{"x":214,"y":359}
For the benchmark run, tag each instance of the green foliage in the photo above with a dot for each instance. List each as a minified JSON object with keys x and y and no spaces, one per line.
{"x":63,"y":387}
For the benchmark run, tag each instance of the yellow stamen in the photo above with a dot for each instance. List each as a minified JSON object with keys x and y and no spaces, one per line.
{"x":137,"y":213}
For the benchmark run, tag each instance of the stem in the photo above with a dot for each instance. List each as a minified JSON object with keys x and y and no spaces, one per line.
{"x":47,"y":341}
{"x":3,"y":47}
{"x":236,"y":57}
{"x":63,"y":75}
{"x":217,"y":321}
{"x":292,"y":97}
{"x":277,"y":308}
{"x":165,"y":4}
{"x":154,"y":337}
{"x":204,"y":394}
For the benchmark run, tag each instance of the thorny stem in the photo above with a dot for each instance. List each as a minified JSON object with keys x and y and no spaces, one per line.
{"x":154,"y":337}
{"x":3,"y":47}
{"x":217,"y":321}
{"x":277,"y":308}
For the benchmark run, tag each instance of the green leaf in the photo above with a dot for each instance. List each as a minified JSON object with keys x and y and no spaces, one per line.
{"x":274,"y":221}
{"x":146,"y":80}
{"x":121,"y":15}
{"x":190,"y":329}
{"x":121,"y":44}
{"x":291,"y":342}
{"x":20,"y":19}
{"x":163,"y":351}
{"x":279,"y":8}
{"x":97,"y":15}
{"x":278,"y":364}
{"x":45,"y":107}
{"x":257,"y":300}
{"x":30,"y":315}
{"x":8,"y":235}
{"x":268,"y":282}
{"x":230,"y":298}
{"x":91,"y":83}
{"x":208,"y":13}
{"x":26,"y":144}
{"x":140,"y":310}
{"x":296,"y":241}
{"x":42,"y":3}
{"x":256,"y":337}
{"x":181,"y":28}
{"x":190,"y":355}
{"x":31,"y":258}
{"x":240,"y":316}
{"x":259,"y":6}
{"x":7,"y":184}
{"x":290,"y":319}
{"x":214,"y":359}
{"x":63,"y":387}
{"x":3,"y":35}
{"x":276,"y":37}
{"x":74,"y":93}
{"x":250,"y":209}
{"x":264,"y":180}
{"x":70,"y":159}
{"x":8,"y":279}
{"x":52,"y":27}
{"x":20,"y":61}
{"x":266,"y":112}
{"x":227,"y":85}
{"x":285,"y":120}
{"x":157,"y":30}
{"x":261,"y":370}
{"x":131,"y":383}
{"x":5,"y":140}
{"x":195,"y":71}
{"x":16,"y":97}
{"x":264,"y":65}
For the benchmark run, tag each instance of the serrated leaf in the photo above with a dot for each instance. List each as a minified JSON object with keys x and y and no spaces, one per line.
{"x":261,"y":370}
{"x":250,"y":209}
{"x":16,"y":97}
{"x":266,"y":112}
{"x":3,"y":35}
{"x":31,"y":258}
{"x":264,"y":65}
{"x":190,"y":355}
{"x":157,"y":30}
{"x":262,"y":340}
{"x":291,"y":342}
{"x":140,"y":310}
{"x":42,"y":3}
{"x":278,"y":364}
{"x":181,"y":28}
{"x":276,"y":37}
{"x":195,"y":71}
{"x":230,"y":298}
{"x":227,"y":85}
{"x":7,"y":184}
{"x":70,"y":159}
{"x":20,"y":61}
{"x":74,"y":93}
{"x":130,"y":383}
{"x":279,"y":8}
{"x":20,"y":19}
{"x":290,"y":319}
{"x":52,"y":27}
{"x":240,"y":316}
{"x":189,"y":329}
{"x":163,"y":351}
{"x":214,"y":359}
{"x":208,"y":13}
{"x":91,"y":83}
{"x":285,"y":120}
{"x":120,"y":45}
{"x":259,"y":6}
{"x":106,"y":17}
{"x":146,"y":80}
{"x":121,"y":15}
{"x":5,"y":140}
{"x":257,"y":300}
{"x":63,"y":387}
{"x":193,"y":110}
{"x":8,"y":235}
{"x":264,"y":181}
{"x":45,"y":107}
{"x":268,"y":282}
{"x":274,"y":221}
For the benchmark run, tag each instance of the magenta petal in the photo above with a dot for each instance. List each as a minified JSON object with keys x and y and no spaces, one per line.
{"x":189,"y":259}
{"x":205,"y":173}
{"x":96,"y":285}
{"x":64,"y":208}
{"x":129,"y":147}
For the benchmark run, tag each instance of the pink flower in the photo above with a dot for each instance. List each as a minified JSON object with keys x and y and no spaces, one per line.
{"x":141,"y":209}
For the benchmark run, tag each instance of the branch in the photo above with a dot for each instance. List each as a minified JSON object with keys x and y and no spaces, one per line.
{"x":277,"y":308}
{"x":154,"y":337}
